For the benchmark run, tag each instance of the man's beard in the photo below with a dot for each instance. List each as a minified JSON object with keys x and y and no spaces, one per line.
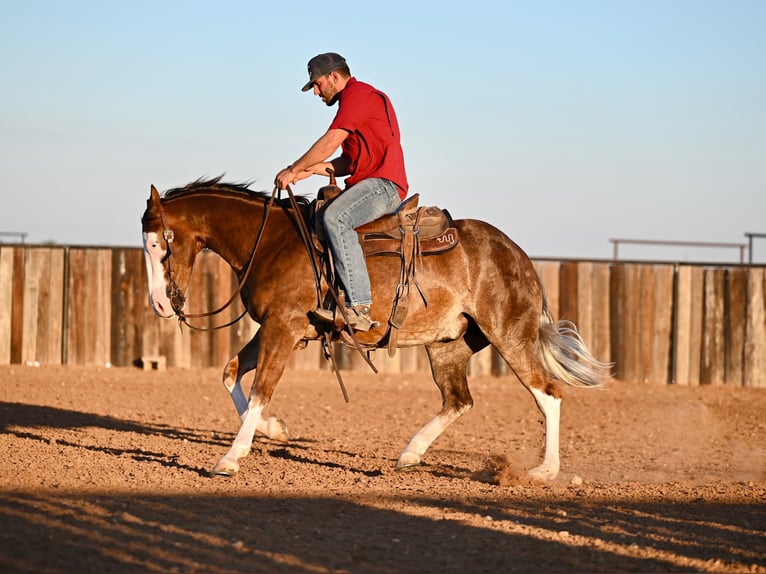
{"x":333,"y":97}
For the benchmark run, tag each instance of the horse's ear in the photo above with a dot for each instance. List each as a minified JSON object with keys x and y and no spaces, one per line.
{"x":154,"y":196}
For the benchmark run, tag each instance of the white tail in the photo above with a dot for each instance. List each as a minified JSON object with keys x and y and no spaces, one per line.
{"x":565,"y":355}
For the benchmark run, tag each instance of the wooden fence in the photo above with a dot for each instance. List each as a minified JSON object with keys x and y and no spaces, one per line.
{"x":658,"y":322}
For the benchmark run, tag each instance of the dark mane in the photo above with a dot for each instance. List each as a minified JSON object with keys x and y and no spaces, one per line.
{"x":202,"y":185}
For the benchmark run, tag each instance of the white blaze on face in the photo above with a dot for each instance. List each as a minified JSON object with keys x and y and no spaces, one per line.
{"x":155,"y":273}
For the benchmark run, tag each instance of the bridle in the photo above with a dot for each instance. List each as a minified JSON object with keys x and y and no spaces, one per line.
{"x":177,"y":298}
{"x":176,"y":294}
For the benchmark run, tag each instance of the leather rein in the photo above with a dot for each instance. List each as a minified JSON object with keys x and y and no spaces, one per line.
{"x":177,"y":299}
{"x":175,"y":293}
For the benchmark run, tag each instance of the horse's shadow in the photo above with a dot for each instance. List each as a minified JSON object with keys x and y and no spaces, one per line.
{"x":298,"y":452}
{"x":32,"y":422}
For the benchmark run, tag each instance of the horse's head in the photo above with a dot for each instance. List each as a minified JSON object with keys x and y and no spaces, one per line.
{"x":170,"y":248}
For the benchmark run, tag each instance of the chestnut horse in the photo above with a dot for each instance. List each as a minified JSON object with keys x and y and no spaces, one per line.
{"x":485,"y":291}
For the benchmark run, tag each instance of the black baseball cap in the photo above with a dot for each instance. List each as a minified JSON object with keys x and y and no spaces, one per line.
{"x":321,"y":65}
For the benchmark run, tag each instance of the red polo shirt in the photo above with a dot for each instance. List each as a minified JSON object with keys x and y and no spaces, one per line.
{"x":373,"y":146}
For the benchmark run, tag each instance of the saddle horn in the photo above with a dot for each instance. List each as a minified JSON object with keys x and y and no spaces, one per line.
{"x":331,"y":190}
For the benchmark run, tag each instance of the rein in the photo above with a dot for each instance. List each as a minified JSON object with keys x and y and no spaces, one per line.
{"x":175,"y":293}
{"x":177,"y":298}
{"x":318,"y":274}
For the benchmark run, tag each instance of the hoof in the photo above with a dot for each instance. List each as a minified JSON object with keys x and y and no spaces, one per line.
{"x":543,"y":473}
{"x":225,"y":467}
{"x":276,"y":429}
{"x":408,"y":461}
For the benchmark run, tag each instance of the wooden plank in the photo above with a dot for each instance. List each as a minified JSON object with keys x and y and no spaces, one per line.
{"x":223,"y":285}
{"x":713,"y":360}
{"x":755,"y":342}
{"x":6,"y":303}
{"x":384,"y":363}
{"x":43,"y":300}
{"x":662,"y":324}
{"x":695,"y":350}
{"x":626,"y":321}
{"x":682,"y":325}
{"x":687,"y":341}
{"x":212,"y":286}
{"x":634,"y":319}
{"x":17,"y":305}
{"x":152,"y":341}
{"x":34,"y":266}
{"x":88,"y":314}
{"x":76,"y":311}
{"x":616,"y":339}
{"x":216,"y":293}
{"x":600,"y":305}
{"x":644,"y":334}
{"x":102,"y":300}
{"x":480,"y":365}
{"x":243,"y":332}
{"x":548,"y":272}
{"x":735,"y":306}
{"x":55,"y":323}
{"x":308,"y":359}
{"x":413,"y":359}
{"x":348,"y":358}
{"x":584,"y":304}
{"x":499,"y":366}
{"x":128,"y":286}
{"x":568,"y":292}
{"x":198,"y":297}
{"x":176,"y":343}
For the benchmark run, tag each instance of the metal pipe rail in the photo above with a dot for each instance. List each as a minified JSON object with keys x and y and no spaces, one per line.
{"x":750,"y":237}
{"x":741,"y":246}
{"x":20,"y":234}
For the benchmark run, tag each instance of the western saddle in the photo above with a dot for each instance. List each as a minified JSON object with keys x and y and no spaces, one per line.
{"x":409,"y":233}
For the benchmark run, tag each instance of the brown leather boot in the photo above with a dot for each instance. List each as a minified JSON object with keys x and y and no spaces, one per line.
{"x":358,"y":317}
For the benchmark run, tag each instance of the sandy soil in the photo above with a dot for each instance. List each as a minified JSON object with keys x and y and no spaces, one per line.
{"x":105,"y":470}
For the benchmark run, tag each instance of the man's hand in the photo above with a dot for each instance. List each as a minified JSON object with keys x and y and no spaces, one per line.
{"x":313,"y":161}
{"x":288,"y":176}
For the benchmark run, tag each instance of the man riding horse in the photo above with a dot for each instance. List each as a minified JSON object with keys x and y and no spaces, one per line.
{"x":366,"y":129}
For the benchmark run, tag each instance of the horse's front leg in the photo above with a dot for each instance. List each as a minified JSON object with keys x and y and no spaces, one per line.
{"x":237,"y":367}
{"x":270,"y":364}
{"x":448,"y":365}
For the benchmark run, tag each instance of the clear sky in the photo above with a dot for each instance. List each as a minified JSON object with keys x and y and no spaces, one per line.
{"x":563,"y":123}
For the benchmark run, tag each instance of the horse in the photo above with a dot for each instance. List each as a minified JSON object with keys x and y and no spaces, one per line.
{"x":484,"y":291}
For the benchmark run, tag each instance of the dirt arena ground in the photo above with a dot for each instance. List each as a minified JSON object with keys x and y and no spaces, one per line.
{"x":105,"y":470}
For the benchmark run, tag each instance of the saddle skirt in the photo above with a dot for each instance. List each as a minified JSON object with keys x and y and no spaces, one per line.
{"x":431,"y":227}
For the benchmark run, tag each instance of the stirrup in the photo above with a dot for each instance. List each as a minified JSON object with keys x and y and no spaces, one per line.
{"x":359,"y":318}
{"x":325,"y":315}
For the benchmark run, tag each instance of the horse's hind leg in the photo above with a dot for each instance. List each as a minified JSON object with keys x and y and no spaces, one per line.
{"x":448,"y":366}
{"x":550,"y":407}
{"x":547,"y":394}
{"x":237,"y":367}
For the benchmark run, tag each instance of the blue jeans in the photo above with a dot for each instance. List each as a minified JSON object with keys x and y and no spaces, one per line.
{"x":359,"y":204}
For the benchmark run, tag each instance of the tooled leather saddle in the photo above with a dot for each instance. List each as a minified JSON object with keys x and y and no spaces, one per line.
{"x":410,"y":232}
{"x":432,"y":227}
